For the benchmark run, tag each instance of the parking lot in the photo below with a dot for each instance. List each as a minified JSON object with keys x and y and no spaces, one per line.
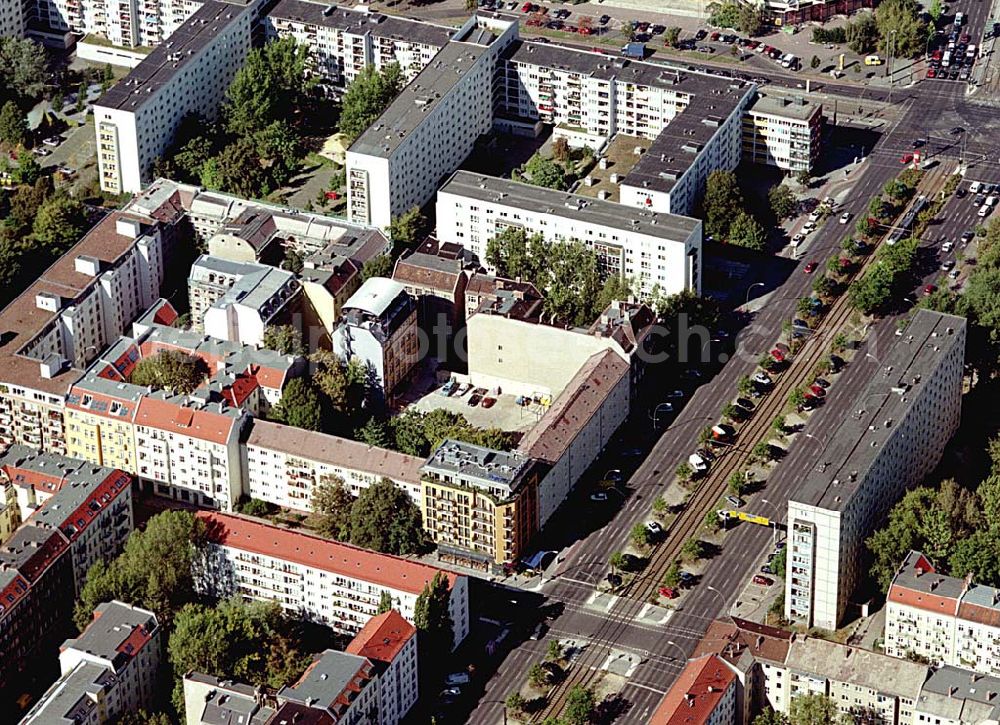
{"x":503,"y":413}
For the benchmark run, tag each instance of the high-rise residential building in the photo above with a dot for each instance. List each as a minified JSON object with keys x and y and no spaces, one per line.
{"x":13,"y":22}
{"x":430,"y":128}
{"x":136,"y":120}
{"x":320,"y":580}
{"x":480,"y":506}
{"x":284,"y":465}
{"x":108,"y":670}
{"x":378,"y":327}
{"x":655,"y":249}
{"x":947,"y":620}
{"x":390,"y":642}
{"x":783,"y":132}
{"x":893,"y":437}
{"x":343,"y":41}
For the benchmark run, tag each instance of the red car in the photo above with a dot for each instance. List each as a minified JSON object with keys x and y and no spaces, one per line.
{"x":906,"y":159}
{"x":668,"y":592}
{"x":811,"y":267}
{"x":931,"y":73}
{"x":488,"y":402}
{"x":762,"y":580}
{"x":817,"y":390}
{"x":526,"y":8}
{"x":714,"y":36}
{"x":930,"y":289}
{"x":778,"y":355}
{"x":936,"y":55}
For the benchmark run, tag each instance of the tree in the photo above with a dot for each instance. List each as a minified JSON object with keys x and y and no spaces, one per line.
{"x":778,"y":562}
{"x":813,"y":709}
{"x":60,"y":221}
{"x":815,"y":62}
{"x":862,"y":34}
{"x":543,"y":171}
{"x":515,"y":702}
{"x":936,"y":10}
{"x":22,"y":70}
{"x":407,"y":229}
{"x":81,"y":97}
{"x":762,"y":451}
{"x":783,"y":202}
{"x":617,"y":561}
{"x":344,"y":386}
{"x":745,"y":231}
{"x":375,"y":432}
{"x":640,"y":536}
{"x":384,"y":518}
{"x":900,"y":19}
{"x":285,"y":339}
{"x":684,"y":472}
{"x":660,"y":506}
{"x":153,"y":570}
{"x":723,"y":203}
{"x":804,"y":177}
{"x":671,"y":35}
{"x":711,"y":521}
{"x":537,"y":675}
{"x":555,"y":651}
{"x":378,"y":266}
{"x":332,"y":502}
{"x":580,"y":705}
{"x":58,"y":101}
{"x":692,"y":550}
{"x":770,"y":717}
{"x":367,"y":96}
{"x":384,"y":602}
{"x":254,"y":507}
{"x":672,"y":576}
{"x":560,"y":149}
{"x":171,"y":370}
{"x":751,"y":18}
{"x":13,"y":125}
{"x":249,"y":641}
{"x":267,"y":87}
{"x":142,"y":717}
{"x":736,"y":483}
{"x":431,"y":616}
{"x":299,"y":406}
{"x":977,"y":554}
{"x":27,"y":170}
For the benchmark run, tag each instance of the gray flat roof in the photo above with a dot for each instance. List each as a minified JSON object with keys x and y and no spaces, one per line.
{"x":936,"y":583}
{"x":418,"y":99}
{"x":72,"y":698}
{"x":326,"y":678}
{"x":797,"y":107}
{"x":109,"y":634}
{"x":888,"y":396}
{"x":360,"y":22}
{"x":842,"y":663}
{"x":476,"y":462}
{"x":172,"y":56}
{"x":961,"y":695}
{"x":672,"y":227}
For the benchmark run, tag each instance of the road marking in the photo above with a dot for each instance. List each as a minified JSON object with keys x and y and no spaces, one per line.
{"x":644,"y":687}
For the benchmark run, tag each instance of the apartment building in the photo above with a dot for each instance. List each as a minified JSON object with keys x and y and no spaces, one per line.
{"x":895,"y":435}
{"x":390,"y":643}
{"x":510,"y":347}
{"x":109,"y":670}
{"x":783,"y":132}
{"x":487,"y":291}
{"x":693,"y":117}
{"x":237,"y":301}
{"x":480,"y":506}
{"x":36,"y":588}
{"x":91,"y":505}
{"x":343,"y":41}
{"x":436,"y":275}
{"x":378,"y":327}
{"x":577,"y":427}
{"x":703,"y":694}
{"x":284,"y":465}
{"x":13,"y":22}
{"x":320,"y":580}
{"x":952,"y":696}
{"x":945,"y":619}
{"x":655,"y":249}
{"x":430,"y":128}
{"x":67,"y":317}
{"x":135,"y":121}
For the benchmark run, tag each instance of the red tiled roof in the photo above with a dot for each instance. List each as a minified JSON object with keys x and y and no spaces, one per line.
{"x":269,"y":377}
{"x":38,"y":480}
{"x":391,"y":571}
{"x":696,"y":693}
{"x":109,"y":489}
{"x":165,"y":415}
{"x":922,"y":600}
{"x":382,"y":638}
{"x":240,"y":389}
{"x":165,"y":314}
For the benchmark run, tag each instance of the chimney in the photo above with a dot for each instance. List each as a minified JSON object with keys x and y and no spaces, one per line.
{"x":952,"y":691}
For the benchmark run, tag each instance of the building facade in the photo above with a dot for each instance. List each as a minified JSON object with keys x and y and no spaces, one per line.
{"x":703,"y":694}
{"x":655,"y":249}
{"x":284,"y":465}
{"x":324,"y":581}
{"x":390,"y":642}
{"x":903,"y":419}
{"x":109,"y":670}
{"x":783,"y":132}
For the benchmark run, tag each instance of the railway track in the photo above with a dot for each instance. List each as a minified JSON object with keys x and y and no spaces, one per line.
{"x":587,"y":666}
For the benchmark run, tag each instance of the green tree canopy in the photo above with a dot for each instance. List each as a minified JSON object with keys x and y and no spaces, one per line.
{"x":384,"y":518}
{"x":367,"y":96}
{"x":285,"y":339}
{"x":813,"y":709}
{"x":380,"y":266}
{"x":299,"y":406}
{"x":153,"y":571}
{"x":13,"y":124}
{"x":59,"y":223}
{"x":782,"y":200}
{"x":407,"y":229}
{"x":27,"y":170}
{"x":543,"y":171}
{"x":862,"y":33}
{"x":270,"y":84}
{"x":900,"y":28}
{"x":432,"y":617}
{"x":745,"y":231}
{"x":580,"y":706}
{"x":722,"y":204}
{"x":22,"y":70}
{"x":332,"y":503}
{"x":172,"y":370}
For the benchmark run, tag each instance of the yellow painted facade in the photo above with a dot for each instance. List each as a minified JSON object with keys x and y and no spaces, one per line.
{"x":100,"y":440}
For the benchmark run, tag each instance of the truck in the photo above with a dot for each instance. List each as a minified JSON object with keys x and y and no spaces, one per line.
{"x":946,"y":60}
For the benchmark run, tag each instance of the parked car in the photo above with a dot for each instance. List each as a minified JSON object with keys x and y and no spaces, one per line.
{"x":489,"y":402}
{"x":766,"y":569}
{"x":450,"y":693}
{"x":654,"y":528}
{"x":811,"y":267}
{"x":668,"y":592}
{"x":675,"y":394}
{"x":699,"y":464}
{"x":448,"y":388}
{"x":604,"y":19}
{"x":762,"y":580}
{"x":539,"y":631}
{"x":734,"y":501}
{"x":599,"y":496}
{"x":457,"y":678}
{"x":845,"y":217}
{"x":762,"y":378}
{"x":474,"y":400}
{"x":52,"y":141}
{"x":929,"y":289}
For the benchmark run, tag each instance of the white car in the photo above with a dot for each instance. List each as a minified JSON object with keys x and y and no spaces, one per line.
{"x":808,"y":227}
{"x":814,"y":217}
{"x":947,"y":246}
{"x":676,"y":394}
{"x":845,"y":217}
{"x":798,"y":239}
{"x":954,"y":274}
{"x":974,"y":187}
{"x":457,"y":678}
{"x":654,"y":527}
{"x":52,"y":141}
{"x":762,"y":378}
{"x":699,"y":464}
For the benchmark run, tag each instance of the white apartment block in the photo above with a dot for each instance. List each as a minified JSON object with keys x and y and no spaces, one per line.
{"x":654,"y":249}
{"x":399,"y":161}
{"x":320,"y":580}
{"x":343,"y":41}
{"x":135,"y":121}
{"x":894,"y":437}
{"x":284,"y":465}
{"x":12,"y":19}
{"x":189,"y":450}
{"x":125,"y":23}
{"x":66,"y":318}
{"x":390,"y":642}
{"x":694,"y":118}
{"x":948,"y":620}
{"x":783,"y":132}
{"x":108,"y":671}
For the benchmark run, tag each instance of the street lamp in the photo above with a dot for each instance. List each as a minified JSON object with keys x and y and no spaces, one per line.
{"x":755,"y":284}
{"x":774,"y":521}
{"x":721,"y":597}
{"x":679,"y":649}
{"x":656,"y":411}
{"x":707,"y":343}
